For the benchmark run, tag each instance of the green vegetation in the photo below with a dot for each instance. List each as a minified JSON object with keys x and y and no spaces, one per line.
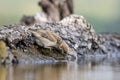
{"x":102,"y":14}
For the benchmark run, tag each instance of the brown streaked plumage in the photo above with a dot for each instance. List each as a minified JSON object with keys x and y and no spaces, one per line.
{"x":49,"y":39}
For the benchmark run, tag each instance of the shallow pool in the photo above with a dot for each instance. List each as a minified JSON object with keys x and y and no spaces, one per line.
{"x":62,"y":71}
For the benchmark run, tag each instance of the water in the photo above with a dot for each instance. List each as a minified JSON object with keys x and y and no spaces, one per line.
{"x":61,"y":71}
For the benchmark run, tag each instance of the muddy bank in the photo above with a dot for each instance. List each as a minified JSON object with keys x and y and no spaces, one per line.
{"x":75,"y":31}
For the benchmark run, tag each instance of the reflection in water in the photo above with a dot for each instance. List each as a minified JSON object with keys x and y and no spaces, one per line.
{"x":3,"y":73}
{"x":61,"y":71}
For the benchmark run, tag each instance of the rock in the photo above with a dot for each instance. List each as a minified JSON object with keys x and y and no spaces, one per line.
{"x":52,"y":11}
{"x":39,"y":18}
{"x":82,"y":38}
{"x":73,"y":31}
{"x":27,"y":20}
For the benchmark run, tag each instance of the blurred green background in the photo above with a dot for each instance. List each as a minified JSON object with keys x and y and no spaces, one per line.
{"x":104,"y":15}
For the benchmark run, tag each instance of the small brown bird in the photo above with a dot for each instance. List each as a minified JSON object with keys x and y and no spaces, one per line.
{"x":5,"y":57}
{"x":3,"y":51}
{"x":44,"y":40}
{"x":49,"y":39}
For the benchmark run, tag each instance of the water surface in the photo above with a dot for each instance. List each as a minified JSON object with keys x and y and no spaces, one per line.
{"x":61,"y":71}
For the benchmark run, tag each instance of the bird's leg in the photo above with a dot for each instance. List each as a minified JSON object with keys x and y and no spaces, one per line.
{"x":48,"y":48}
{"x":59,"y":42}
